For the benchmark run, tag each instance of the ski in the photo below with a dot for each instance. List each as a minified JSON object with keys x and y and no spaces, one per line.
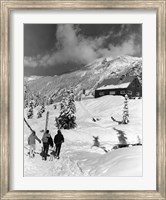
{"x":28,"y":124}
{"x":120,"y":122}
{"x":118,"y":146}
{"x":47,"y":116}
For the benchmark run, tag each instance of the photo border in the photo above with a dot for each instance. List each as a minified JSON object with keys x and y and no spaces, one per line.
{"x":6,"y":8}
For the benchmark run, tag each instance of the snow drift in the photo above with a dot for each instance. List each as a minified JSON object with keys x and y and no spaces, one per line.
{"x":79,"y":155}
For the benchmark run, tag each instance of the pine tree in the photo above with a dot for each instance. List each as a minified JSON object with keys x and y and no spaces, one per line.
{"x":42,"y":110}
{"x":50,"y":101}
{"x":67,"y":116}
{"x":125,"y":111}
{"x":30,"y":111}
{"x":39,"y":114}
{"x":54,"y":106}
{"x":37,"y":98}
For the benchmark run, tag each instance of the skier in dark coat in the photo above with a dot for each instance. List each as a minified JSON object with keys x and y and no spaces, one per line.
{"x":47,"y":140}
{"x":58,"y":140}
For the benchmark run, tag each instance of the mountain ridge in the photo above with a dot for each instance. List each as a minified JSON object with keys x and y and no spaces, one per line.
{"x":88,"y":77}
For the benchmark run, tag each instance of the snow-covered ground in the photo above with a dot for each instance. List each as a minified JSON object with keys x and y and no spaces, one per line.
{"x":78,"y":155}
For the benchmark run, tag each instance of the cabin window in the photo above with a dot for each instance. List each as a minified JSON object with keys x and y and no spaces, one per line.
{"x":129,"y":92}
{"x":111,"y":92}
{"x":122,"y":92}
{"x":101,"y":93}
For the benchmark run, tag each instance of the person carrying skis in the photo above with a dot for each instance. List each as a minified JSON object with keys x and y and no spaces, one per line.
{"x":47,"y":140}
{"x":32,"y":143}
{"x":58,"y":140}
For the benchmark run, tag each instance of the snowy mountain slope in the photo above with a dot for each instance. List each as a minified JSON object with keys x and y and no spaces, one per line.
{"x":31,"y":78}
{"x":78,"y":156}
{"x":89,"y":76}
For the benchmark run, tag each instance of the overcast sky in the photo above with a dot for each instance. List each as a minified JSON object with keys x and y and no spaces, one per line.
{"x":51,"y":49}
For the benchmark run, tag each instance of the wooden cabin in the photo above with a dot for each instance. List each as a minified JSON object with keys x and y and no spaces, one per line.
{"x":129,"y":85}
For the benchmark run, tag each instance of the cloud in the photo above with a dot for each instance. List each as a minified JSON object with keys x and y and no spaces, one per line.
{"x":72,"y":47}
{"x":126,"y":48}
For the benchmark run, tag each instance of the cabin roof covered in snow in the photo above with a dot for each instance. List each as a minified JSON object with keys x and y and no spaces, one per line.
{"x":115,"y":83}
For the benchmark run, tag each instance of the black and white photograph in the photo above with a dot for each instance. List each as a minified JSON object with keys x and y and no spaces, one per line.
{"x":83,"y":100}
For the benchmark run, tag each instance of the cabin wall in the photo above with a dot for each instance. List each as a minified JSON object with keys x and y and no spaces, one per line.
{"x":133,"y":90}
{"x":100,"y":93}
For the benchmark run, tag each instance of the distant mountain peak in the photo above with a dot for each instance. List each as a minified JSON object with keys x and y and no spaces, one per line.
{"x":88,"y":76}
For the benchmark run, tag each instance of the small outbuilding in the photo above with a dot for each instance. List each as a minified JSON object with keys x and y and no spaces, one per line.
{"x":129,"y":85}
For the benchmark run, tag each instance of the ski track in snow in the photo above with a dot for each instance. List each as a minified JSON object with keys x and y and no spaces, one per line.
{"x":78,"y":157}
{"x":65,"y":166}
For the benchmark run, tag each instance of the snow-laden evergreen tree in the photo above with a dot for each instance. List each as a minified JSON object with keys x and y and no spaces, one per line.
{"x":38,"y":98}
{"x":25,"y":103}
{"x":50,"y":101}
{"x":125,"y":119}
{"x":54,"y":106}
{"x":67,"y":118}
{"x":30,"y":110}
{"x":39,"y":114}
{"x":42,"y":109}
